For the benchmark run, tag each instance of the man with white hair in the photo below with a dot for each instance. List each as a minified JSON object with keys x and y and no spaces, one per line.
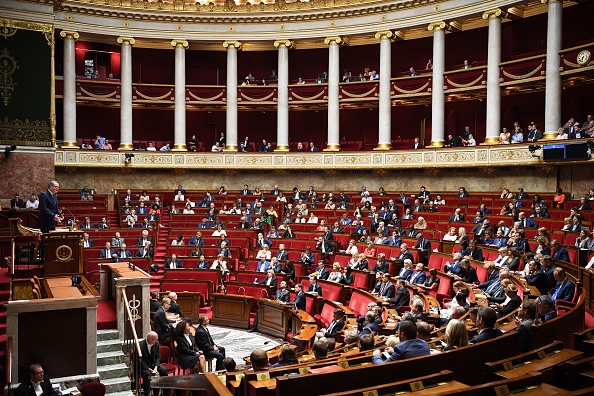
{"x":150,"y":365}
{"x":174,"y":306}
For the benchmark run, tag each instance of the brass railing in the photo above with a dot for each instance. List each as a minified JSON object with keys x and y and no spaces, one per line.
{"x":131,"y":345}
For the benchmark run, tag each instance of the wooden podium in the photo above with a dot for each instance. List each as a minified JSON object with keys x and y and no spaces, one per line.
{"x":231,"y":310}
{"x":63,"y":252}
{"x":273,"y":317}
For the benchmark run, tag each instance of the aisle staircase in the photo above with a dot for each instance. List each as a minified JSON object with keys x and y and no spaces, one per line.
{"x":160,"y":248}
{"x":111,"y":363}
{"x":113,"y":216}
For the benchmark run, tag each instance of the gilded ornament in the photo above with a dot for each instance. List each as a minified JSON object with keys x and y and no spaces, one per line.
{"x":8,"y":67}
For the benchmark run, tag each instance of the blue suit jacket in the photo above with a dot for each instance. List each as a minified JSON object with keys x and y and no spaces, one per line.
{"x":405,"y":350}
{"x":48,"y":208}
{"x":419,"y":280}
{"x":561,"y":254}
{"x":404,"y":274}
{"x":529,"y":223}
{"x":300,"y":301}
{"x":566,"y":290}
{"x":263,"y":266}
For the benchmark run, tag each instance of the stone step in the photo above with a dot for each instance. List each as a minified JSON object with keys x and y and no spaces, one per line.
{"x":126,"y":393}
{"x":116,"y":385}
{"x":108,"y":358}
{"x":109,"y":346}
{"x":113,"y":371}
{"x":111,"y":334}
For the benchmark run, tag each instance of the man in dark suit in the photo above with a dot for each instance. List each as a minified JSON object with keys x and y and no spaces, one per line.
{"x":49,"y":215}
{"x":401,"y":298}
{"x":173,"y":262}
{"x":124,"y":253}
{"x":565,"y":288}
{"x":486,"y":318}
{"x":322,"y":271}
{"x":326,"y":247}
{"x":525,"y":320}
{"x":283,"y":296}
{"x":314,"y":287}
{"x":196,"y":240}
{"x":160,"y":319}
{"x":146,"y":251}
{"x":381,"y":264}
{"x":270,"y":280}
{"x":406,"y":270}
{"x":387,"y":288}
{"x":370,"y":325}
{"x":526,"y":222}
{"x":154,"y":303}
{"x":334,"y":327}
{"x":422,"y":243}
{"x":188,"y":354}
{"x":17,"y":203}
{"x":87,"y":242}
{"x":35,"y":383}
{"x":150,"y":365}
{"x":142,"y":240}
{"x":300,"y":297}
{"x":282,"y":254}
{"x":206,"y":343}
{"x":107,"y":252}
{"x":404,"y":253}
{"x":418,"y":276}
{"x":476,"y":253}
{"x":558,"y":252}
{"x":457,"y":216}
{"x":174,"y":307}
{"x":548,"y":269}
{"x":537,"y":278}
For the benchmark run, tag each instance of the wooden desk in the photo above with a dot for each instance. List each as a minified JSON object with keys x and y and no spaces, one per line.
{"x":231,"y":310}
{"x":186,"y":384}
{"x":540,"y":365}
{"x":61,"y":287}
{"x":273,"y":317}
{"x":262,"y":388}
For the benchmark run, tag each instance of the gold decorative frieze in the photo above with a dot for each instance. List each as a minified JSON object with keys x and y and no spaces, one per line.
{"x":25,"y":132}
{"x":391,"y":159}
{"x":204,"y":160}
{"x":8,"y":66}
{"x":140,"y":159}
{"x":511,"y":154}
{"x":303,"y":159}
{"x":99,"y":158}
{"x":353,"y":159}
{"x":254,"y":160}
{"x":458,"y":156}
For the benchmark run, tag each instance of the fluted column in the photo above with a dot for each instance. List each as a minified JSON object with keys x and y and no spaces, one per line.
{"x":231,"y":131}
{"x":493,"y":89}
{"x":384,"y":141}
{"x":69,"y":104}
{"x":126,"y":93}
{"x":553,"y":88}
{"x":282,"y":114}
{"x":437,"y":84}
{"x":179,"y":122}
{"x":333,"y":100}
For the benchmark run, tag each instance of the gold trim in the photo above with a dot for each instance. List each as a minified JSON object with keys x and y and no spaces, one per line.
{"x":128,"y":40}
{"x":126,"y":146}
{"x":205,"y":99}
{"x":287,"y":43}
{"x":232,"y":44}
{"x":332,"y":147}
{"x":574,"y":65}
{"x":383,"y":147}
{"x":470,"y":84}
{"x":281,"y":148}
{"x":181,"y":42}
{"x":151,"y":97}
{"x":230,"y":148}
{"x":494,"y":13}
{"x":258,"y":100}
{"x":491,"y":140}
{"x":550,"y":135}
{"x":440,"y":25}
{"x":543,"y":56}
{"x":357,"y":96}
{"x":579,"y":47}
{"x":523,"y":76}
{"x":92,"y":95}
{"x":414,"y":91}
{"x":69,"y":145}
{"x":333,"y":40}
{"x":310,"y":98}
{"x":549,"y":1}
{"x":179,"y":147}
{"x":69,"y":34}
{"x":384,"y":34}
{"x":437,"y":143}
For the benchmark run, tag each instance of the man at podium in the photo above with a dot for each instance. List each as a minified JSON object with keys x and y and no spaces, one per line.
{"x":49,"y":215}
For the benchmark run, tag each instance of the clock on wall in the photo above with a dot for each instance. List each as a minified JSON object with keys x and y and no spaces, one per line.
{"x":583,"y":58}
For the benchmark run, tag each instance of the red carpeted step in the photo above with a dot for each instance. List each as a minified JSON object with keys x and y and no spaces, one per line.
{"x":106,"y":315}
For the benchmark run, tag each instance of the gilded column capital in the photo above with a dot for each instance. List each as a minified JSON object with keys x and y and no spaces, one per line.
{"x":178,"y":42}
{"x":290,"y":44}
{"x":232,"y":43}
{"x":69,"y":34}
{"x":439,"y":25}
{"x":333,"y":40}
{"x":549,"y":1}
{"x":494,"y":13}
{"x":384,"y":34}
{"x":128,"y":40}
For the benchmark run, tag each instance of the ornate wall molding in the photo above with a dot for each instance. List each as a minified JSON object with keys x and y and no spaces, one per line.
{"x":485,"y":157}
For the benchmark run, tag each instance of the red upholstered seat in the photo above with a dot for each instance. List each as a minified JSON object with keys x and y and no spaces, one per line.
{"x":93,"y":389}
{"x":165,"y":353}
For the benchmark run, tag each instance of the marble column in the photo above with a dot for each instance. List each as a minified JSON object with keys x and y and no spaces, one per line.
{"x":126,"y":93}
{"x":385,"y":96}
{"x":282,"y":128}
{"x":69,"y":104}
{"x":554,"y":86}
{"x":333,"y":99}
{"x":179,"y":123}
{"x":437,"y":84}
{"x":231,"y":131}
{"x":493,"y":89}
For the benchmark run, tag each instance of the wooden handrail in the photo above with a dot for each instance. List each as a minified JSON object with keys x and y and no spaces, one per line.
{"x":9,"y":361}
{"x":129,"y":318}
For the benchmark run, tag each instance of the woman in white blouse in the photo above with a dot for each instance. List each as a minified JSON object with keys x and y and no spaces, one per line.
{"x":452,"y":235}
{"x":264,"y":252}
{"x":352,"y":248}
{"x":312,"y":218}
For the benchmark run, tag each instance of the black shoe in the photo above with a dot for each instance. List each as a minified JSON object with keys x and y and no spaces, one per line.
{"x":253,"y":330}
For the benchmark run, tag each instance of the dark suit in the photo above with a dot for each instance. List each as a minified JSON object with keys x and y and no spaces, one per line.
{"x":26,"y":388}
{"x":124,"y":253}
{"x":175,"y":308}
{"x":195,"y":241}
{"x":382,"y":266}
{"x":328,"y":248}
{"x":563,"y":291}
{"x":17,"y":203}
{"x":424,"y":245}
{"x":186,"y":352}
{"x":456,"y":218}
{"x":161,"y":325}
{"x":528,"y":223}
{"x":273,"y":283}
{"x":539,"y":280}
{"x":404,"y":273}
{"x":48,"y":208}
{"x":89,"y":242}
{"x":524,"y":330}
{"x":207,"y":346}
{"x":282,"y":255}
{"x":470,"y":276}
{"x":323,"y":273}
{"x":142,"y":252}
{"x":418,"y":278}
{"x":405,"y":255}
{"x":315,"y":288}
{"x":406,"y":349}
{"x":561,"y":254}
{"x":300,"y":301}
{"x":283,"y":295}
{"x":154,"y":305}
{"x":104,"y":253}
{"x":141,"y":242}
{"x":387,"y":290}
{"x":149,"y":361}
{"x":173,"y":264}
{"x":511,"y":306}
{"x":401,"y":299}
{"x":477,"y":254}
{"x":486,"y":334}
{"x":334,"y":327}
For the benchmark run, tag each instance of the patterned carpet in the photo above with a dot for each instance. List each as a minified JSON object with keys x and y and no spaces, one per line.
{"x":239,"y":343}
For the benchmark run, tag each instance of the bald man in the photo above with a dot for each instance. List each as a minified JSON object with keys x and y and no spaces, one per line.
{"x":151,"y":361}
